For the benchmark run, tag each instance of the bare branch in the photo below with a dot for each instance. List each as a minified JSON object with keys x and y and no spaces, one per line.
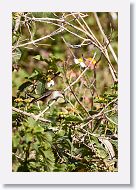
{"x":30,"y":115}
{"x":39,"y":39}
{"x":105,"y":37}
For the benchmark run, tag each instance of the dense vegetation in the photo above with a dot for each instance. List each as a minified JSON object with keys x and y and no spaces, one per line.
{"x":74,"y":54}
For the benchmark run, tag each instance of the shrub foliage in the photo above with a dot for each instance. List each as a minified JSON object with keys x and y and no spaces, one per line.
{"x":75,"y":54}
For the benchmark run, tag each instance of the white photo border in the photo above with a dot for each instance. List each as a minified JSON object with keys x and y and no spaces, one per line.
{"x":6,"y":174}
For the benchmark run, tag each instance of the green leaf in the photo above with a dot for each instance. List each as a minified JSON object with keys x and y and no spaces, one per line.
{"x":114,"y":117}
{"x":38,"y":57}
{"x":15,"y":140}
{"x":94,"y":140}
{"x":48,"y":136}
{"x":38,"y":129}
{"x":61,"y":133}
{"x":41,"y":87}
{"x":60,"y":167}
{"x":72,"y":118}
{"x":16,"y":55}
{"x":102,"y":152}
{"x":24,"y":85}
{"x":35,"y":146}
{"x":28,"y":137}
{"x":37,"y":73}
{"x":49,"y":159}
{"x":115,"y":145}
{"x":70,"y":145}
{"x":31,"y":122}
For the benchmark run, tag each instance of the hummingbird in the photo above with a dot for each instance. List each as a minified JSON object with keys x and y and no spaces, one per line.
{"x":50,"y":95}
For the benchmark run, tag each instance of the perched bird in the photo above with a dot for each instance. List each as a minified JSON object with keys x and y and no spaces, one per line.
{"x":49,"y":95}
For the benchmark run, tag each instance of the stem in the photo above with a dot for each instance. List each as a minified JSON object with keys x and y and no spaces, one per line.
{"x":105,"y":37}
{"x":30,"y":115}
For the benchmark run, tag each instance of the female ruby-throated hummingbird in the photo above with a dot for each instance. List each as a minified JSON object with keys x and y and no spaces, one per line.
{"x":50,"y":95}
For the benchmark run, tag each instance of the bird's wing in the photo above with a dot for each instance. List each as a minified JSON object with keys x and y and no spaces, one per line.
{"x":45,"y":95}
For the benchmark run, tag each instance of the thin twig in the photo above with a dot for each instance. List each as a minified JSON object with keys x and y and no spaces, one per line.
{"x":42,"y":38}
{"x":111,"y":120}
{"x":18,"y":157}
{"x":105,"y":37}
{"x":67,"y":88}
{"x":80,"y":103}
{"x":30,"y":115}
{"x":74,"y":108}
{"x":94,"y":40}
{"x":49,"y":21}
{"x":41,"y":113}
{"x":96,"y":115}
{"x":91,"y":35}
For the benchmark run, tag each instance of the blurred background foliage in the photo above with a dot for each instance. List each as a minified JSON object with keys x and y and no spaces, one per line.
{"x":73,"y":141}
